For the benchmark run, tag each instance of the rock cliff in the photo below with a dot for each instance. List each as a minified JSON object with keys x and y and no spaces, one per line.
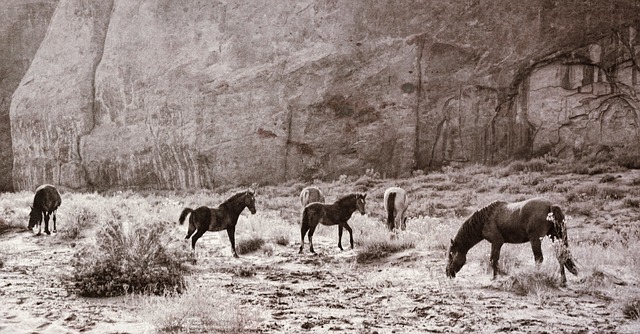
{"x":171,"y":95}
{"x":23,"y":24}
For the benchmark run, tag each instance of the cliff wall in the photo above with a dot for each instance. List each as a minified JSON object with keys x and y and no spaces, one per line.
{"x":171,"y":95}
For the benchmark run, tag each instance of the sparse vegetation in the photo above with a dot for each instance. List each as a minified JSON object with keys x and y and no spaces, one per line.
{"x":137,"y":259}
{"x":250,"y":245}
{"x":126,"y":244}
{"x":631,"y":309}
{"x":199,"y":310}
{"x":378,"y":249}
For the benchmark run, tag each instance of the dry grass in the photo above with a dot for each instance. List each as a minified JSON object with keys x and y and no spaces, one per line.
{"x":199,"y":310}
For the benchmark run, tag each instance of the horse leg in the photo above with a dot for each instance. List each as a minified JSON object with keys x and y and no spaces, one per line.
{"x":192,"y":226}
{"x":495,"y":257}
{"x":231,"y":231}
{"x":46,"y":223}
{"x":348,"y":228}
{"x":303,"y":231}
{"x":196,"y":237}
{"x":340,"y":236}
{"x":403,"y":219}
{"x":55,"y":228}
{"x":311,"y":231}
{"x":536,"y":247}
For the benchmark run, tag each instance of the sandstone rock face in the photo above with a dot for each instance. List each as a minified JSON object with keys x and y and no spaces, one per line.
{"x":171,"y":95}
{"x":23,"y":24}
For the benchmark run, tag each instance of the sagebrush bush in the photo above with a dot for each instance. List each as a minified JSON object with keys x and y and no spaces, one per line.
{"x":250,"y":245}
{"x":144,"y":259}
{"x":378,"y":249}
{"x":631,"y":309}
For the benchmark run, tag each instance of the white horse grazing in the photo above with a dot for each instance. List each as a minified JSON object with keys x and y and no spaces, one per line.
{"x":310,"y":195}
{"x":396,"y":202}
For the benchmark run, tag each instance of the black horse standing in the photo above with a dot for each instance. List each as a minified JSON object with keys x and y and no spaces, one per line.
{"x":224,"y":217}
{"x":337,"y":213}
{"x":45,"y":202}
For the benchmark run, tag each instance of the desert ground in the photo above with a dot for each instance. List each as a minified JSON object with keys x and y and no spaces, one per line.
{"x":273,"y":289}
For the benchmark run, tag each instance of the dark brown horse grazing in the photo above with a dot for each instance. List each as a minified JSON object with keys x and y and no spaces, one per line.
{"x":501,"y":222}
{"x":224,"y":217}
{"x":337,"y":213}
{"x":45,"y":202}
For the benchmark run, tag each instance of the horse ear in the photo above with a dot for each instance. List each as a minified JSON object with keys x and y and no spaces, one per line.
{"x":364,"y":196}
{"x":451,"y":241}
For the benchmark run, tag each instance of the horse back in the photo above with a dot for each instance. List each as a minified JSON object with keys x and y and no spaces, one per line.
{"x":523,"y":221}
{"x":320,"y":213}
{"x":47,"y":198}
{"x":400,"y":200}
{"x":311,"y":195}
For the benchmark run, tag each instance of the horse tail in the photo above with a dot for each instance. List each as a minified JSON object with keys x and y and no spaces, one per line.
{"x":184,"y":214}
{"x":390,"y":210}
{"x":560,"y":232}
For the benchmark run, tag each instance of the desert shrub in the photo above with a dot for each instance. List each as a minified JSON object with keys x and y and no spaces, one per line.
{"x":632,"y":203}
{"x":378,"y":249}
{"x":611,"y":192}
{"x":607,"y":178}
{"x":199,"y":310}
{"x":631,"y":309}
{"x":81,"y":219}
{"x":143,"y":259}
{"x":4,"y":226}
{"x":281,"y":240}
{"x":531,"y":282}
{"x":250,"y":245}
{"x":245,"y":271}
{"x":630,"y":161}
{"x":536,"y":165}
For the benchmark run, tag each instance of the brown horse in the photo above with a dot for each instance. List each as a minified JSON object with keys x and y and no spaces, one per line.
{"x":224,"y":217}
{"x":311,"y":194}
{"x":501,"y":222}
{"x":337,"y":213}
{"x":45,"y":202}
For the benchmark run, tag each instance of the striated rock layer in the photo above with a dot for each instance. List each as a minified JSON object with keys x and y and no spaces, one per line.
{"x":23,"y":24}
{"x":171,"y":95}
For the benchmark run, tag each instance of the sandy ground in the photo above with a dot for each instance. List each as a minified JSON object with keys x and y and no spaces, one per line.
{"x":290,"y":293}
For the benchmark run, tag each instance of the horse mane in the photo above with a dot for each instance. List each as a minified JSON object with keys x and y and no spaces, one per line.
{"x":349,"y":197}
{"x":470,"y":233}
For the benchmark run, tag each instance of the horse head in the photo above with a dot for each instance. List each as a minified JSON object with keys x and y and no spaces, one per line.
{"x":35,"y":217}
{"x":250,"y":200}
{"x":457,"y":259}
{"x":360,"y":202}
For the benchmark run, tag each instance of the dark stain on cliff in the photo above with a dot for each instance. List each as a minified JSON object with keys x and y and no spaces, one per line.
{"x":262,"y":133}
{"x":340,"y":106}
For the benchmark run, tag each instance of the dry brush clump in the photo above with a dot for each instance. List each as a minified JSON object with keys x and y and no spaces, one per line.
{"x":141,"y":259}
{"x":199,"y":310}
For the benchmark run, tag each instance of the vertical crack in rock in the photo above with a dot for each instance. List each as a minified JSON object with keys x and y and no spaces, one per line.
{"x":420,"y":42}
{"x":100,"y":31}
{"x":287,"y":144}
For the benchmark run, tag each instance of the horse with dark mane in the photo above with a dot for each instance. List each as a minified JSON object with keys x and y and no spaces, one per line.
{"x":396,"y":202}
{"x":45,"y":202}
{"x":311,"y":194}
{"x":224,"y":217}
{"x":337,"y":213}
{"x":501,"y":222}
